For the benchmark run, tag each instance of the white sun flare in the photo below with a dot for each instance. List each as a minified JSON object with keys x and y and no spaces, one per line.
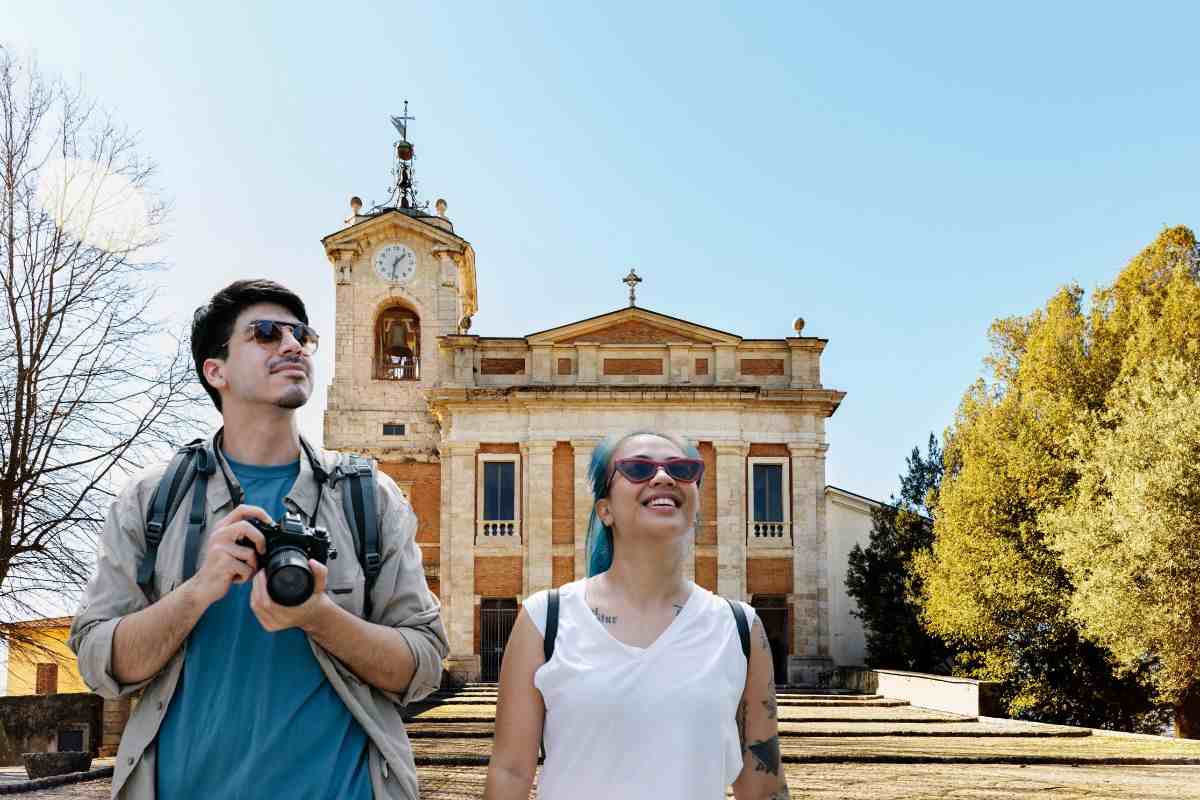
{"x":94,"y":205}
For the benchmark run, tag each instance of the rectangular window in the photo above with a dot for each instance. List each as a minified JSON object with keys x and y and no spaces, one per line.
{"x":47,"y":679}
{"x":393,"y":429}
{"x":499,"y":490}
{"x":768,"y":493}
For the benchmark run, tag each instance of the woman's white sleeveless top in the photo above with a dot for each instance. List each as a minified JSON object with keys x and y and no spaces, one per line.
{"x":629,"y":722}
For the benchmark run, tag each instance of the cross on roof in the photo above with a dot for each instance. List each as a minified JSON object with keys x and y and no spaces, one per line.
{"x":401,"y":122}
{"x":632,"y":280}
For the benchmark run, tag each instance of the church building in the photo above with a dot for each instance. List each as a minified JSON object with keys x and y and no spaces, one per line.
{"x":490,"y":437}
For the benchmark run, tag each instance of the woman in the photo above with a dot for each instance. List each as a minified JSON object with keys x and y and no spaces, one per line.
{"x":648,"y":693}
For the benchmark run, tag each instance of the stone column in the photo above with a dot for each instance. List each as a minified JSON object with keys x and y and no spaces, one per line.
{"x":731,"y":518}
{"x":810,"y":567}
{"x":583,"y":500}
{"x":458,"y":566}
{"x":538,"y":516}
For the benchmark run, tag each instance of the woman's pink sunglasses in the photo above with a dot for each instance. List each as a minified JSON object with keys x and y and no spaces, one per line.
{"x":640,"y":470}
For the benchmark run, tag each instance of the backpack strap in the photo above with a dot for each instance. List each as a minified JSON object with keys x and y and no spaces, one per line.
{"x":205,"y":465}
{"x":358,"y":501}
{"x":739,"y":616}
{"x":168,"y":495}
{"x":548,"y":645}
{"x":551,"y":624}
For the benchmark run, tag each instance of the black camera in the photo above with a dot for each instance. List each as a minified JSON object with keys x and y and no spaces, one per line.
{"x":290,"y":544}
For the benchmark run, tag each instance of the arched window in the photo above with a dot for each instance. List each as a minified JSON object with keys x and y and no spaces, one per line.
{"x":398,"y":345}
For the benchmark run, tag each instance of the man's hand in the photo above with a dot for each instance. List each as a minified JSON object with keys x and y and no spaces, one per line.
{"x":274,"y":617}
{"x":225,"y":561}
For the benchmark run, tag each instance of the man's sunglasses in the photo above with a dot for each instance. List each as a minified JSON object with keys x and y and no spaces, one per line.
{"x":269,"y":331}
{"x":640,"y":470}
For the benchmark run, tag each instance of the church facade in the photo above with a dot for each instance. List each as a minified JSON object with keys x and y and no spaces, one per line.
{"x":490,"y":437}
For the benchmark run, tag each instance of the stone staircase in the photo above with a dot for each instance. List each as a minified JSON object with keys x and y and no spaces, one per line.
{"x":455,"y":728}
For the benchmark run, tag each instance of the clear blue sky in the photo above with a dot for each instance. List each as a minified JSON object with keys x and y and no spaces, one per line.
{"x":898,"y":175}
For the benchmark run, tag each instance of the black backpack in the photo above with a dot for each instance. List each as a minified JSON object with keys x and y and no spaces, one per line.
{"x":194,"y":463}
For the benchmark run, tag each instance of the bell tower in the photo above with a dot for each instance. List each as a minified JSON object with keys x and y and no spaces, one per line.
{"x":402,"y":277}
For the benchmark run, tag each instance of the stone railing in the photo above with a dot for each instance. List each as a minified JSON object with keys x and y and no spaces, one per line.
{"x":398,"y":368}
{"x":496,"y":529}
{"x":758,"y":531}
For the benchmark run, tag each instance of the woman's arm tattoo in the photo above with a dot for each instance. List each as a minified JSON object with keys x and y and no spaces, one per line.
{"x":770,"y":705}
{"x":766,"y":755}
{"x":741,"y":724}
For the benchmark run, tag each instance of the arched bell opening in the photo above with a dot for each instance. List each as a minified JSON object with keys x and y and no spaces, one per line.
{"x":398,"y":345}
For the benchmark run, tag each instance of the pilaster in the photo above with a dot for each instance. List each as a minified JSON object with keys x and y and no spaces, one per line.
{"x":726,"y":367}
{"x":810,"y":566}
{"x":539,"y":358}
{"x":458,"y":582}
{"x":587,"y":363}
{"x":679,"y":361}
{"x":538,"y":516}
{"x":731,"y":518}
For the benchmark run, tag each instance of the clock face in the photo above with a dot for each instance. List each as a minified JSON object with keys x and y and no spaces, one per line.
{"x":396,"y":263}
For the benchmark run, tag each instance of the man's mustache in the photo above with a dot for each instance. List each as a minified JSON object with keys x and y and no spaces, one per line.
{"x":279,"y":363}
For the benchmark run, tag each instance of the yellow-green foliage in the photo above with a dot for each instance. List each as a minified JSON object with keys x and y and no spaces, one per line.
{"x":1015,"y":454}
{"x":1130,"y":537}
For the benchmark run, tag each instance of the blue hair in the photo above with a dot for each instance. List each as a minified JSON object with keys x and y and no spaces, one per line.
{"x":599,"y":545}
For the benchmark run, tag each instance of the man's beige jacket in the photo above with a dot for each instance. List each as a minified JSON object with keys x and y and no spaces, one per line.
{"x":401,"y":600}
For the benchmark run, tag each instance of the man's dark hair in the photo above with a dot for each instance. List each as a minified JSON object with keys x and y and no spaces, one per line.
{"x":212,"y":324}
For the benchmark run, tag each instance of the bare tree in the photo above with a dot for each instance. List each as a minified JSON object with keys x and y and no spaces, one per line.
{"x":90,"y":386}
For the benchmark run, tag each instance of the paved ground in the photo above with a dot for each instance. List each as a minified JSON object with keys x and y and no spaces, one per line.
{"x":853,"y":748}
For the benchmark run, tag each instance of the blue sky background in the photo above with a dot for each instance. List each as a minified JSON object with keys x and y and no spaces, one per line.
{"x":897,"y":174}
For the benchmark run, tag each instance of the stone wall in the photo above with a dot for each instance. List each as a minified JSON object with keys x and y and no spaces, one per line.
{"x":31,"y":724}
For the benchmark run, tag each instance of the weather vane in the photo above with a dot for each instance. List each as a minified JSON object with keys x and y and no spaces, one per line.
{"x":403,"y":193}
{"x":632,"y":280}
{"x":401,"y":122}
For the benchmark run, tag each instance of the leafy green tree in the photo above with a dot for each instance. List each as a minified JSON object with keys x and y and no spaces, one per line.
{"x":994,"y":583}
{"x":880,"y":577}
{"x":1130,"y":537}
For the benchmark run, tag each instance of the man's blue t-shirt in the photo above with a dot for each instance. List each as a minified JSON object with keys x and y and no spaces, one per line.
{"x":253,"y":715}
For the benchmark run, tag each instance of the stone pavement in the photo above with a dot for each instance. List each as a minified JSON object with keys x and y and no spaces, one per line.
{"x":853,"y":747}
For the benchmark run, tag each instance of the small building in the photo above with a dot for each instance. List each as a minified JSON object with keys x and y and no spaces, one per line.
{"x":47,"y":707}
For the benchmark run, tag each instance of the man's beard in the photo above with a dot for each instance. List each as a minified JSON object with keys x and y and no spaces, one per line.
{"x":294,"y":397}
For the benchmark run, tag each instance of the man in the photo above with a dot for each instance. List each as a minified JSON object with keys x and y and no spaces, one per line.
{"x":243,"y":697}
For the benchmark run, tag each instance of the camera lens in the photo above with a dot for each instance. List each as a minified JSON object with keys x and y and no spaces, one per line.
{"x":289,"y":580}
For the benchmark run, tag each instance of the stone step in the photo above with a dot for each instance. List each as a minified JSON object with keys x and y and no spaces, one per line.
{"x":977,"y":730}
{"x":814,"y":696}
{"x":845,"y":703}
{"x":486,"y":712}
{"x":483,"y":730}
{"x":908,"y":781}
{"x":870,"y":714}
{"x":904,"y":750}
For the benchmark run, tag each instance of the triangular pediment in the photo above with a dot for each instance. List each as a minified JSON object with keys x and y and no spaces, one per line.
{"x":391,"y":224}
{"x":632,"y":326}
